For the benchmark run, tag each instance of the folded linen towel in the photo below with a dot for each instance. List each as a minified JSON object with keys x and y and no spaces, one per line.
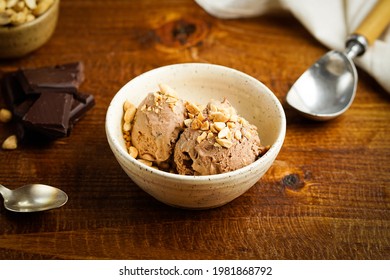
{"x":329,"y":21}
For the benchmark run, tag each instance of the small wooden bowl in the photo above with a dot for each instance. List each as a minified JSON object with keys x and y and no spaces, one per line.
{"x":17,"y":41}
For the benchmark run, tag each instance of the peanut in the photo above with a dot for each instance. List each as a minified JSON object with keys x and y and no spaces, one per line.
{"x":127,"y":105}
{"x":196,"y":124}
{"x":129,"y":114}
{"x":17,"y":12}
{"x":219,"y":117}
{"x":224,"y":142}
{"x":18,"y":18}
{"x":31,"y":4}
{"x":5,"y":115}
{"x":188,"y":122}
{"x":167,"y":90}
{"x":42,"y":7}
{"x":126,"y":127}
{"x":11,"y":143}
{"x":205,"y":125}
{"x":247,"y":134}
{"x":148,"y":157}
{"x":146,"y":162}
{"x":192,"y":108}
{"x":133,"y":152}
{"x":219,"y":126}
{"x":223,"y":133}
{"x":3,"y":5}
{"x":238,"y":135}
{"x":201,"y":137}
{"x":11,"y":3}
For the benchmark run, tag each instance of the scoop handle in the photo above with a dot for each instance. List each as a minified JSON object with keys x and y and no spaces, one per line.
{"x":375,"y":22}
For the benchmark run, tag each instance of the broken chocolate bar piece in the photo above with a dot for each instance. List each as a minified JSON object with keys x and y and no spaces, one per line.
{"x":50,"y":112}
{"x":80,"y":108}
{"x":49,"y":125}
{"x":46,"y":100}
{"x":69,"y":75}
{"x":60,"y":78}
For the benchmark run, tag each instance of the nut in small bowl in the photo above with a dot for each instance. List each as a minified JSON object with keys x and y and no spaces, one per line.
{"x":198,"y":83}
{"x":26,"y":25}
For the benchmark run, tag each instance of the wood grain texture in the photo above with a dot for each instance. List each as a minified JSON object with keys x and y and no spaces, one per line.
{"x":326,"y":197}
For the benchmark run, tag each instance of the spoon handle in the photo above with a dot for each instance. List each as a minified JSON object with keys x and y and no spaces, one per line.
{"x":375,"y":22}
{"x":6,"y":193}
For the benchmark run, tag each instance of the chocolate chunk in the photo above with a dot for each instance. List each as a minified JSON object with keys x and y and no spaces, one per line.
{"x":80,"y":108}
{"x":46,"y":100}
{"x":60,"y":78}
{"x":50,"y":112}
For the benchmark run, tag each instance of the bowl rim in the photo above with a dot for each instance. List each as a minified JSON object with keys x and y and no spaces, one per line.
{"x":42,"y":17}
{"x":274,"y":147}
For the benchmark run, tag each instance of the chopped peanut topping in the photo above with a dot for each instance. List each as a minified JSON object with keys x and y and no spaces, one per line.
{"x":192,"y":108}
{"x":201,"y":137}
{"x":219,"y":123}
{"x":224,"y":142}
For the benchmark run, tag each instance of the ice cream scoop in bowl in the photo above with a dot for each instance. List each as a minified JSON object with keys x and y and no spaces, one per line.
{"x":198,"y":83}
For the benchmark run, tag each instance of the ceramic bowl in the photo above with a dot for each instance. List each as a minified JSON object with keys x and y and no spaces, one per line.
{"x":199,"y":82}
{"x":17,"y":41}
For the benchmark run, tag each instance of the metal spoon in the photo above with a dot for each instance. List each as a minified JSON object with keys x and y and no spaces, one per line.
{"x":33,"y":198}
{"x":327,"y":89}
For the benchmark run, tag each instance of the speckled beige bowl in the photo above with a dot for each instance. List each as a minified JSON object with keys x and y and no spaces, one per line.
{"x":199,"y":82}
{"x":17,"y":41}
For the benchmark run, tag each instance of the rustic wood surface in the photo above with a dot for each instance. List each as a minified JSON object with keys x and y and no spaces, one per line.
{"x":326,"y":197}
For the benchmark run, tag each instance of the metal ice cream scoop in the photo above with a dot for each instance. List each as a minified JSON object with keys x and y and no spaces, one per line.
{"x":33,"y":198}
{"x":327,"y":89}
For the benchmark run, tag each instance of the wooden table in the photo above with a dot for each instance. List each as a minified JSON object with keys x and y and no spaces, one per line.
{"x":326,"y":197}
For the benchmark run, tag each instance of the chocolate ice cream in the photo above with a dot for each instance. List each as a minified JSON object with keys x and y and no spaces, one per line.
{"x":216,"y":140}
{"x":157,"y":124}
{"x":168,"y":133}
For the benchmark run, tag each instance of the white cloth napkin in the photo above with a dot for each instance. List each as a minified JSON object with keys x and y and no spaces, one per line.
{"x":329,"y":21}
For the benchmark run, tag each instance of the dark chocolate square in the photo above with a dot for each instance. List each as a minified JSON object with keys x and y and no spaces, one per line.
{"x":51,"y":112}
{"x":69,"y":75}
{"x":60,"y":78}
